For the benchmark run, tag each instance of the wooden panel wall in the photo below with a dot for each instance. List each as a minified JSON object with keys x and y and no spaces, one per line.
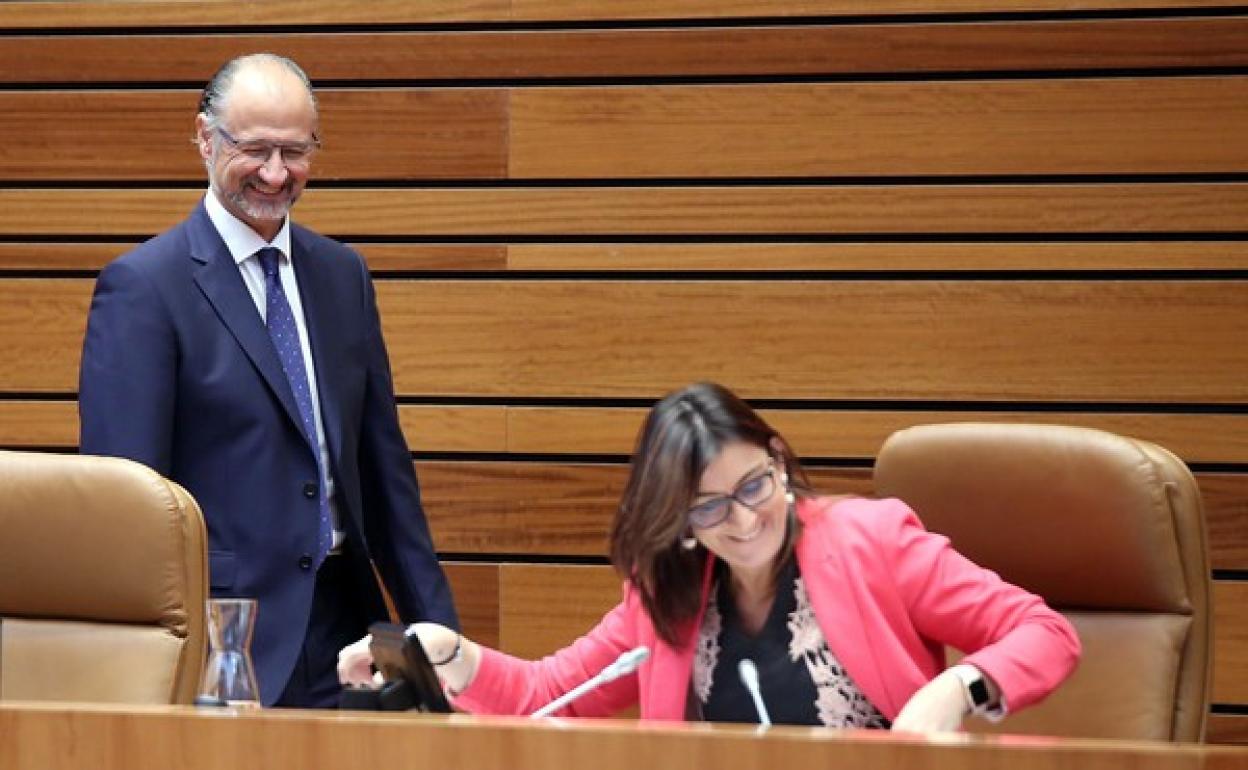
{"x":863,"y":215}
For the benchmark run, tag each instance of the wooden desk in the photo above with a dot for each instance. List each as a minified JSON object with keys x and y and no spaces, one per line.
{"x":100,"y":737}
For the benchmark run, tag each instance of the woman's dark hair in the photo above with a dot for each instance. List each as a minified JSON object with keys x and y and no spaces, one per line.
{"x":681,"y":436}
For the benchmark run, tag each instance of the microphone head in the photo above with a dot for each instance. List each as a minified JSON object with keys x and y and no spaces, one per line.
{"x":627,"y":663}
{"x":748,"y":673}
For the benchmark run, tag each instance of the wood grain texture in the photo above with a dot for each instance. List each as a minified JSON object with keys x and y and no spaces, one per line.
{"x":1179,"y":125}
{"x":763,"y":256}
{"x":454,"y":428}
{"x":400,"y":257}
{"x":42,"y":323}
{"x":550,"y":10}
{"x":816,"y":49}
{"x":1227,"y":728}
{"x":1230,"y":642}
{"x":1097,"y":341}
{"x":655,"y":212}
{"x":941,"y":340}
{"x":38,"y":424}
{"x":551,"y":509}
{"x":565,"y":509}
{"x":475,"y":587}
{"x":832,"y":433}
{"x":382,"y":258}
{"x":881,"y":129}
{"x":367,"y":134}
{"x":62,"y":736}
{"x":584,"y":593}
{"x":69,"y":14}
{"x":814,"y":433}
{"x":535,"y":623}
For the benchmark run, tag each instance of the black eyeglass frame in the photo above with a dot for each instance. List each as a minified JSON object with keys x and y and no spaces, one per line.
{"x":696,"y":521}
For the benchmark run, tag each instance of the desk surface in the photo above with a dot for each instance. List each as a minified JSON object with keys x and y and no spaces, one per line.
{"x":101,"y":737}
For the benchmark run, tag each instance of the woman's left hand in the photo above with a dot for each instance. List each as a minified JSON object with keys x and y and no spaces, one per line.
{"x":938,"y":706}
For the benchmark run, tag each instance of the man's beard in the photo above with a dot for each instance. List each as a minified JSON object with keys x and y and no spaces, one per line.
{"x":277,"y":209}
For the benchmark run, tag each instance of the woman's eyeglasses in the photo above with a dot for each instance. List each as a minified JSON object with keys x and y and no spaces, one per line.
{"x":751,"y":493}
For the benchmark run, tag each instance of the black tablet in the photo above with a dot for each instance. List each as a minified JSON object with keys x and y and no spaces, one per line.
{"x":410,"y":682}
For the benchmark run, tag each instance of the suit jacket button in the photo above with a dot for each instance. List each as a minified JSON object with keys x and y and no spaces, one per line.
{"x":309,"y":489}
{"x":305,"y":562}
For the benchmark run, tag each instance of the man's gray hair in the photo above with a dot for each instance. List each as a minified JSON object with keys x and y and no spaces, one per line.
{"x":213,"y":100}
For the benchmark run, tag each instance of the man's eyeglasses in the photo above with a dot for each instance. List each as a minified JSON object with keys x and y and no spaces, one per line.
{"x":293,"y":154}
{"x":751,"y":493}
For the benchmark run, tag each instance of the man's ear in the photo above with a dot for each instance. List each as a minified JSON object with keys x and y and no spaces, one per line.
{"x":203,"y":138}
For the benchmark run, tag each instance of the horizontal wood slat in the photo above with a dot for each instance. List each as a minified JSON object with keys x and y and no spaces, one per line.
{"x":35,"y":14}
{"x":898,"y":340}
{"x":653,"y":212}
{"x":551,"y":10}
{"x":500,"y":508}
{"x":1210,"y":438}
{"x":385,"y":258}
{"x":565,"y":509}
{"x":1138,"y":255}
{"x":921,"y":340}
{"x":1227,"y":728}
{"x":690,"y":51}
{"x":881,"y":129}
{"x":369,"y":134}
{"x":1230,"y":640}
{"x":546,"y":607}
{"x":1178,"y":125}
{"x":476,"y":588}
{"x":815,"y":433}
{"x":457,"y":491}
{"x":532,"y":625}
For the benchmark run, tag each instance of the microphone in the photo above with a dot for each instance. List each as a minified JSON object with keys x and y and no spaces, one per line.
{"x":627,"y":663}
{"x":749,"y":677}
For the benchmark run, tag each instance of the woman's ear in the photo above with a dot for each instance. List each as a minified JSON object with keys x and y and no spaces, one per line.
{"x":776,"y":447}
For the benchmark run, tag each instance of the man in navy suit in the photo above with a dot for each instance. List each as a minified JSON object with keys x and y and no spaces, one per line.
{"x":241,"y":355}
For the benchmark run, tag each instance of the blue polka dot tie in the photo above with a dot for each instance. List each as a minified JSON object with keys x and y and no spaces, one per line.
{"x":285,"y":335}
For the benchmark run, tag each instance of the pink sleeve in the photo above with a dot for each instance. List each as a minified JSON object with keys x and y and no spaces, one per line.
{"x":1011,"y":635}
{"x":508,"y":685}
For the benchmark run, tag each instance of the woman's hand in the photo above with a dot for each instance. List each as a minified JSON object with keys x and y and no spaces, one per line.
{"x":938,"y":706}
{"x":355,"y":664}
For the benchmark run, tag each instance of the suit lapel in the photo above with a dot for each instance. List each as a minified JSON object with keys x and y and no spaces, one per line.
{"x":831,"y":588}
{"x":316,"y":293}
{"x":218,"y":278}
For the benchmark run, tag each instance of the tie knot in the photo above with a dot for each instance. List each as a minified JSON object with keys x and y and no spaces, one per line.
{"x":268,"y":260}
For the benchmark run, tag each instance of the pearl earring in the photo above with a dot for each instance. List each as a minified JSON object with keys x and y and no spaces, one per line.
{"x":788,"y":492}
{"x":688,"y":543}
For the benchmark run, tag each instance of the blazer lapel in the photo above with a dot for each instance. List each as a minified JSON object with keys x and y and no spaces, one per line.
{"x":830,"y":585}
{"x":316,"y":293}
{"x":218,"y":278}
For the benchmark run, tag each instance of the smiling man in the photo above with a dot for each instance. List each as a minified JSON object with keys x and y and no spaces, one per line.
{"x":241,"y":355}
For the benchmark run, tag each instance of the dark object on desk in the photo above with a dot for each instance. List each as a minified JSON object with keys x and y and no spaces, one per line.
{"x":410,"y":682}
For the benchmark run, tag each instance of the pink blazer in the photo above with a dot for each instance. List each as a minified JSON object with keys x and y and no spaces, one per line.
{"x":888,"y":595}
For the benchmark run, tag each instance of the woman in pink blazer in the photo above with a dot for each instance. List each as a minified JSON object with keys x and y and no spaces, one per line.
{"x":843,"y":605}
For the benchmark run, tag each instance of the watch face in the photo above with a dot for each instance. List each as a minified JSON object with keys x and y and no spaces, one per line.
{"x":979,"y":691}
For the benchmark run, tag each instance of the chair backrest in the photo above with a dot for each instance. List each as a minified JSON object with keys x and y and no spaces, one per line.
{"x":103,"y":573}
{"x":1109,"y":530}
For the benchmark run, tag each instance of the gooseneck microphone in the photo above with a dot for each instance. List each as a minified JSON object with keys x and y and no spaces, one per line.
{"x":627,"y":663}
{"x":749,"y":677}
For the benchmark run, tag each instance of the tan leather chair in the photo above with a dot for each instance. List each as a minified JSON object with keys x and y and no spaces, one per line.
{"x":103,"y":573}
{"x":1110,"y":530}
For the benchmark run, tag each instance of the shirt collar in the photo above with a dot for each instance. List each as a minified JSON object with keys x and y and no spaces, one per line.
{"x":239,"y":238}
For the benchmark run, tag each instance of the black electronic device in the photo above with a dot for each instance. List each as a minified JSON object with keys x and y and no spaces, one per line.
{"x":410,"y":683}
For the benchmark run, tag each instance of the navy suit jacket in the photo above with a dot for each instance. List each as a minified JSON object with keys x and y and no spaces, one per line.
{"x":178,"y":372}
